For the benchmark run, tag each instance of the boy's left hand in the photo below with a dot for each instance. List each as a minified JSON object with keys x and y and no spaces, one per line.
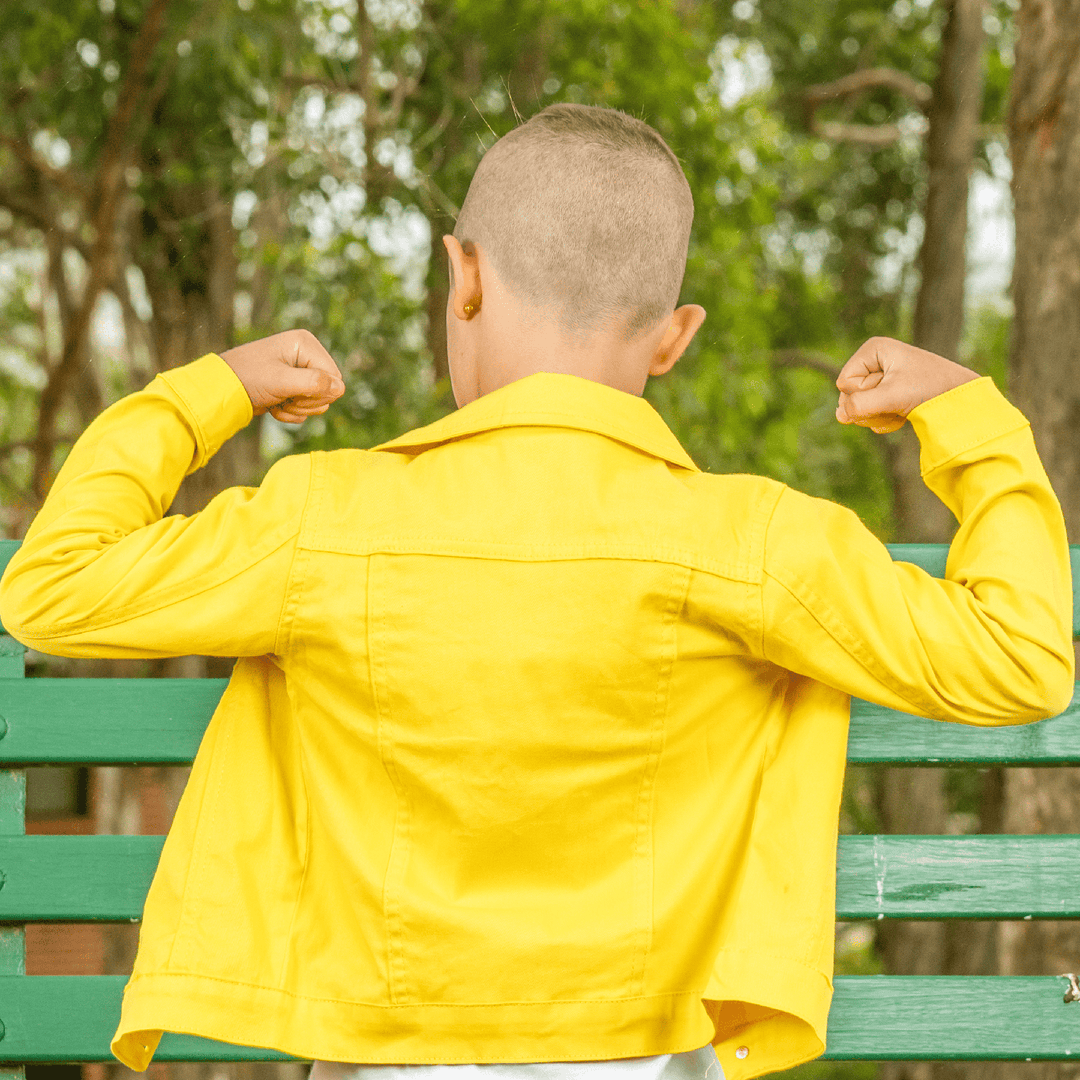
{"x":290,"y":375}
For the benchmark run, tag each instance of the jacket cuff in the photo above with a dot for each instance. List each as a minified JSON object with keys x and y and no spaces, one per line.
{"x":962,"y":418}
{"x":212,"y":398}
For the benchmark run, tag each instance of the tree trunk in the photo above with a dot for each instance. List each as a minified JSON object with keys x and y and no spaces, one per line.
{"x":914,"y":800}
{"x":939,"y":308}
{"x":1044,"y":139}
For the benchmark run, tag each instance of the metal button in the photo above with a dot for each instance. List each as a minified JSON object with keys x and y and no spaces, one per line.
{"x":742,"y":1051}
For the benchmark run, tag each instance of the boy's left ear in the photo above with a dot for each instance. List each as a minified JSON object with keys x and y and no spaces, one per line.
{"x":686,"y":320}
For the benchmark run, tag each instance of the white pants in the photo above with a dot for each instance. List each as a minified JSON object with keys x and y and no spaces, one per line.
{"x":691,"y":1065}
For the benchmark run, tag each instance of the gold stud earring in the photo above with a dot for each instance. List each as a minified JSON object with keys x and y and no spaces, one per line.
{"x":471,"y":308}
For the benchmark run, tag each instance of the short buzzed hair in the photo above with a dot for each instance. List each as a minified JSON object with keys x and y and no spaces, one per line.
{"x":585,"y":214}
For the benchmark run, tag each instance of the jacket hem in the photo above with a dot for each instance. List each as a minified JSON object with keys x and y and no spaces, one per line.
{"x":361,"y":1032}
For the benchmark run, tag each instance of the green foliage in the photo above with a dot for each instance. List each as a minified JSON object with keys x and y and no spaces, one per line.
{"x":757,"y":180}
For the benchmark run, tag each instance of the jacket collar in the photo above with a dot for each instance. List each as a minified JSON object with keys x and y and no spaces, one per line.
{"x":554,"y":399}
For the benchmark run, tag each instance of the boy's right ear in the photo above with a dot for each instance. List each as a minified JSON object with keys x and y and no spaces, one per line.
{"x":463,"y":257}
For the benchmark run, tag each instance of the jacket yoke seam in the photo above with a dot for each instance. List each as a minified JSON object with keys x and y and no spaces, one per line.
{"x":433,"y":544}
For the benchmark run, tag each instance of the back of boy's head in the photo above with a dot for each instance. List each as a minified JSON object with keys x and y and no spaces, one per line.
{"x":585,"y":214}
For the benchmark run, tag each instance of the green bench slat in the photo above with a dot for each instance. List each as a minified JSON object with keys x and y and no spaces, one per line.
{"x":951,"y":1018}
{"x":75,"y":878}
{"x":160,"y":722}
{"x":105,"y":721}
{"x":958,"y":877}
{"x":90,"y":1007}
{"x":873,"y":1018}
{"x":882,"y":736}
{"x":105,"y":878}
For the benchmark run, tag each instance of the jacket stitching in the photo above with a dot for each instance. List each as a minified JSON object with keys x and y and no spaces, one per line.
{"x":536,"y":553}
{"x":202,"y":446}
{"x":297,"y":717}
{"x":644,"y":811}
{"x":1013,"y":427}
{"x":297,"y":576}
{"x":824,"y":618}
{"x":546,"y":1003}
{"x":180,"y":592}
{"x":399,"y":844}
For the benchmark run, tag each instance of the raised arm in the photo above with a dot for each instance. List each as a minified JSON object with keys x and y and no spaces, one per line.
{"x":990,"y":644}
{"x":102,"y":571}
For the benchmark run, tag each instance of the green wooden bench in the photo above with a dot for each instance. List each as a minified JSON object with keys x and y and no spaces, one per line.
{"x":876,"y":1017}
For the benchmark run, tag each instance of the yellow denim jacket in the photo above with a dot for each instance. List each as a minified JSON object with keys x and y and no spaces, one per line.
{"x":534,"y":744}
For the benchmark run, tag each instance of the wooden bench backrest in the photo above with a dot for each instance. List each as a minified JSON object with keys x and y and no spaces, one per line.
{"x":880,"y":1017}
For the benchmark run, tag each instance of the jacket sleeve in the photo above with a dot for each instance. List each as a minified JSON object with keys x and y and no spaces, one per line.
{"x":101,"y":573}
{"x":989,"y":644}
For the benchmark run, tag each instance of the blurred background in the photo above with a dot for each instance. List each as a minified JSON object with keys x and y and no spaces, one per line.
{"x":177,"y":177}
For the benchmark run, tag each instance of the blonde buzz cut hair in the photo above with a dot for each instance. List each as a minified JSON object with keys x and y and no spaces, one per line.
{"x":585,"y":214}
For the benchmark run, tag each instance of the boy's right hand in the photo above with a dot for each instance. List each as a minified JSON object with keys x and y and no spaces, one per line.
{"x":885,"y":379}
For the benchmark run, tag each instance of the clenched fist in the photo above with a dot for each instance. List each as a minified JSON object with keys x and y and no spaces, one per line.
{"x":885,"y":379}
{"x":288,"y":374}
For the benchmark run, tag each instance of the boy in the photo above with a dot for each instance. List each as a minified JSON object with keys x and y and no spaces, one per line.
{"x":531,"y":758}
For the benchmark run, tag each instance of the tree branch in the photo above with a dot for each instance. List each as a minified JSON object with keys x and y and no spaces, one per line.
{"x":865,"y":134}
{"x":799,"y":358}
{"x":436,"y":129}
{"x":62,"y":178}
{"x":919,"y":93}
{"x":134,"y":327}
{"x":33,"y":214}
{"x":104,"y":206}
{"x":858,"y":82}
{"x":193,"y":29}
{"x":405,"y":87}
{"x":332,"y":85}
{"x":435,"y":196}
{"x":29,"y":444}
{"x":57,"y":279}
